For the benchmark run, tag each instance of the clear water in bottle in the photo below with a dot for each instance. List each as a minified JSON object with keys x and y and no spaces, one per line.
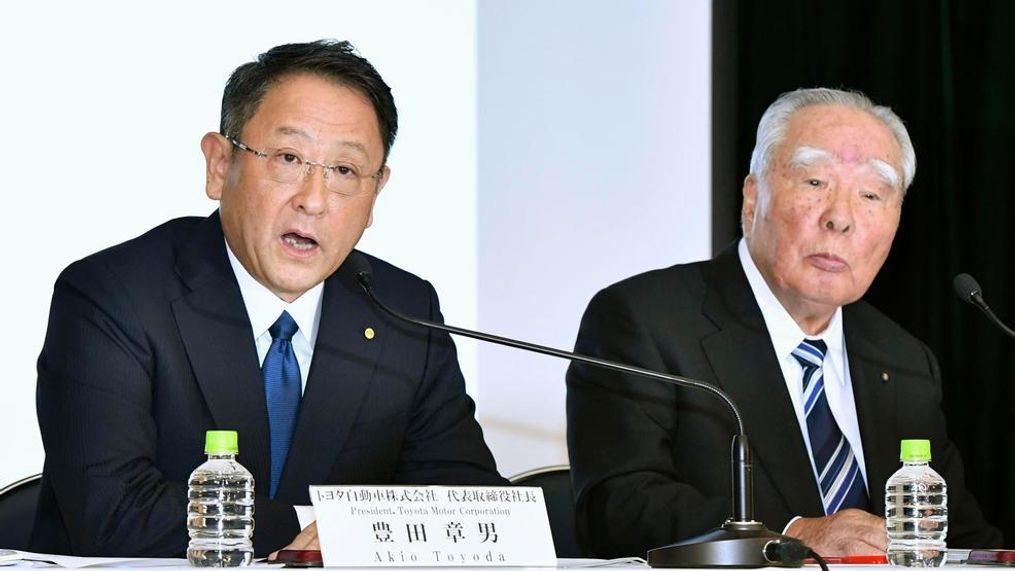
{"x":220,"y":510}
{"x":916,"y":510}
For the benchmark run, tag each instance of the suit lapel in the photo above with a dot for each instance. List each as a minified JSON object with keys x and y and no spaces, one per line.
{"x":215,"y":330}
{"x":876,"y":412}
{"x":340,"y":376}
{"x":743,"y":359}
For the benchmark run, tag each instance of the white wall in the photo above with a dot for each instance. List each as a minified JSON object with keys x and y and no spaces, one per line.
{"x":594,"y":165}
{"x":590,"y":119}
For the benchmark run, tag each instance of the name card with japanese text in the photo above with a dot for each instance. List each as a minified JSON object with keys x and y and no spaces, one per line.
{"x":432,"y":526}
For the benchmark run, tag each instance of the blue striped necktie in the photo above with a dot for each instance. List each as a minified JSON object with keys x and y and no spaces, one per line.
{"x":838,"y":471}
{"x":282,"y":390}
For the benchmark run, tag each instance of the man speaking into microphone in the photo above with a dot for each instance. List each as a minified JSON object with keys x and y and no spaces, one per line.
{"x":827,"y":384}
{"x":241,"y":320}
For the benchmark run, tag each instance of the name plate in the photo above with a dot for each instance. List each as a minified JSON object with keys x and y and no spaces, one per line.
{"x":432,"y":526}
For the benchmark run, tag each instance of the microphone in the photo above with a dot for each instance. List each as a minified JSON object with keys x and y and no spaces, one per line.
{"x":970,"y":292}
{"x":739,"y":542}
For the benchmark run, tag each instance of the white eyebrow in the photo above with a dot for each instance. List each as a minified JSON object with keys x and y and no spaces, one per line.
{"x":809,"y":156}
{"x":886,"y":171}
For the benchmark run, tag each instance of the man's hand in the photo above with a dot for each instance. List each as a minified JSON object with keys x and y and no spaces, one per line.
{"x":848,"y":532}
{"x":306,"y":540}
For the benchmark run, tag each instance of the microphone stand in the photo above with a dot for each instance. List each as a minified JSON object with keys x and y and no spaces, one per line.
{"x":740,"y":542}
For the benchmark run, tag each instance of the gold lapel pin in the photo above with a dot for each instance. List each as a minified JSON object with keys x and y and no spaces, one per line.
{"x":368,"y":333}
{"x":884,"y":376}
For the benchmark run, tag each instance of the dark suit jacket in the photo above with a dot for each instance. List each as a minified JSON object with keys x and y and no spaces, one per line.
{"x":651,"y":462}
{"x":149,"y":346}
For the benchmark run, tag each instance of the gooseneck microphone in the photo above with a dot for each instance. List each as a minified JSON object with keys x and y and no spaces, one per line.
{"x":739,"y":542}
{"x":970,"y":292}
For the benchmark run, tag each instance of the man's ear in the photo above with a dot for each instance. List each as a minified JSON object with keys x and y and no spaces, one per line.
{"x":385,"y":174}
{"x":750,"y":192}
{"x":218,"y":155}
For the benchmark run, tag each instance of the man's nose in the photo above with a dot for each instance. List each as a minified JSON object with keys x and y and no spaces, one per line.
{"x":312,"y":197}
{"x":838,"y":213}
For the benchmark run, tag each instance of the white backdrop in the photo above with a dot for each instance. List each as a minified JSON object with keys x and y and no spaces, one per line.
{"x":594,"y":164}
{"x":104,"y":104}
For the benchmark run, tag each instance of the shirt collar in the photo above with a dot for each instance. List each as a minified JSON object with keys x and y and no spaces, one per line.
{"x":783,"y":330}
{"x":264,"y":307}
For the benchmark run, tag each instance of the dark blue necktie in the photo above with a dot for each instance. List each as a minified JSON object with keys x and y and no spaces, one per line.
{"x":282,"y":389}
{"x":838,"y":470}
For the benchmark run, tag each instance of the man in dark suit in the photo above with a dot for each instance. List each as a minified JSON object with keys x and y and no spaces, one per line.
{"x":827,"y":385}
{"x":155,"y":341}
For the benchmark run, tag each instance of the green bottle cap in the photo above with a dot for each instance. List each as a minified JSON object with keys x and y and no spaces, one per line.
{"x":915,"y":451}
{"x":221,"y":442}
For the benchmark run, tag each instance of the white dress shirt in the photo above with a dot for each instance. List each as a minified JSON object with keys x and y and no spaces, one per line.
{"x":786,"y":335}
{"x":263,"y":308}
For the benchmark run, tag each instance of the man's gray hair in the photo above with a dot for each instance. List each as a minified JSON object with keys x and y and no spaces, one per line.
{"x":772,"y":127}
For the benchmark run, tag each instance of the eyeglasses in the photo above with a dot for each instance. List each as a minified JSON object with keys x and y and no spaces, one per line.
{"x":288,"y":167}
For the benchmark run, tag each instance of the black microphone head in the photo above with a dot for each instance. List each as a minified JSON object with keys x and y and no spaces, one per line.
{"x":970,"y":291}
{"x":966,"y":287}
{"x":358,"y":268}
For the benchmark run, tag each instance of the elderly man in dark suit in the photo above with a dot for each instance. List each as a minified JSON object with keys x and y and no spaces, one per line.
{"x":827,"y":384}
{"x":159,"y":339}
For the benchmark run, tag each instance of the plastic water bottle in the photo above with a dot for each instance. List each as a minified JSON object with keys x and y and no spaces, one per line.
{"x":916,"y":510}
{"x":220,"y":513}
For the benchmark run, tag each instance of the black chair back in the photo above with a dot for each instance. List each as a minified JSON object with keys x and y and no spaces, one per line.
{"x":17,"y":512}
{"x":556,"y":484}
